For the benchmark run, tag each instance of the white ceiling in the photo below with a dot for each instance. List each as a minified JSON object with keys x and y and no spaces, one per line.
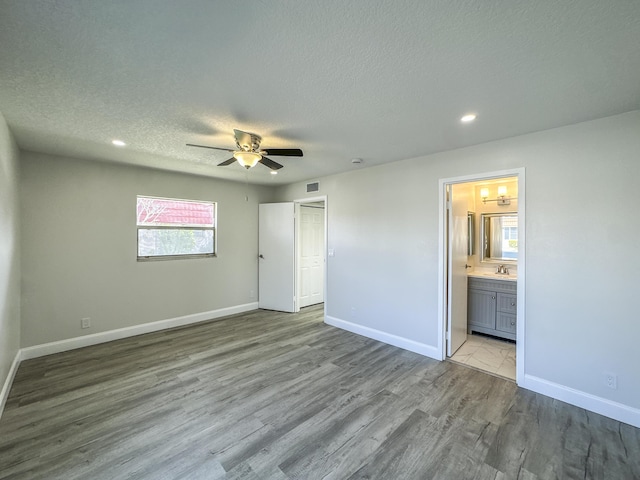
{"x":379,"y":80}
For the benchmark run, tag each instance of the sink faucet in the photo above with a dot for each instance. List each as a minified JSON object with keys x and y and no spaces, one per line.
{"x":503,"y":269}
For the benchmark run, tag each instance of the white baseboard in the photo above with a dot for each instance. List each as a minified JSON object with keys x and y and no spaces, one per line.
{"x":4,"y":394}
{"x":617,"y":411}
{"x":102,"y":337}
{"x":602,"y":406}
{"x":608,"y":408}
{"x":395,"y":340}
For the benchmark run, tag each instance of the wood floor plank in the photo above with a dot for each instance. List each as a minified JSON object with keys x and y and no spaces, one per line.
{"x":268,"y":395}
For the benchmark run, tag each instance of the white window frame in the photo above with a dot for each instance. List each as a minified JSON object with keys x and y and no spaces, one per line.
{"x":153,"y":258}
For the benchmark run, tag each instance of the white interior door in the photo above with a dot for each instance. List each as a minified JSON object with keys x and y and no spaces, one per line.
{"x":457,"y":267}
{"x":276,"y":247}
{"x":310,"y":255}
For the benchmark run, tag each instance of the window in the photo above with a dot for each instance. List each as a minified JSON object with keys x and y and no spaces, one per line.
{"x":510,"y":237}
{"x":170,"y":228}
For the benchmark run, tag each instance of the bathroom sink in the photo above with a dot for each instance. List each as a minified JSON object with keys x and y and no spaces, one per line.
{"x":495,"y":276}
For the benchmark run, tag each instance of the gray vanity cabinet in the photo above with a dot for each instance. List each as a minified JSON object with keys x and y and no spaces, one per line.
{"x":492,"y":307}
{"x":481,"y":308}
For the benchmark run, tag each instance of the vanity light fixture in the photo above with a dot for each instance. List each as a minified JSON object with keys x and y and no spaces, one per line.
{"x":503,"y":198}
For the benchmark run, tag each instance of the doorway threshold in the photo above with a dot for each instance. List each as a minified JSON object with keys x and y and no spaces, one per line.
{"x":489,"y":355}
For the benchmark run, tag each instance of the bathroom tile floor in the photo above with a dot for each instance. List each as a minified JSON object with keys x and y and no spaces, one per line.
{"x":488,"y":354}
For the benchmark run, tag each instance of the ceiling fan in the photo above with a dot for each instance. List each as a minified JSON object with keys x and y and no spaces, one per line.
{"x":248,"y":153}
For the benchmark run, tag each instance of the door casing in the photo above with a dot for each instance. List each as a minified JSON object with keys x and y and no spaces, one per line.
{"x":443,"y":264}
{"x":295,"y":224}
{"x":310,"y":240}
{"x":297,"y":203}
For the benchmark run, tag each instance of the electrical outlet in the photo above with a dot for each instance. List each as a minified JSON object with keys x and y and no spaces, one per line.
{"x":611,"y":380}
{"x":85,"y":323}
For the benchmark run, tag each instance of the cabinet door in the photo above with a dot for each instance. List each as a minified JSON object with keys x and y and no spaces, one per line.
{"x":507,"y":303}
{"x":482,"y":308}
{"x":506,"y":322}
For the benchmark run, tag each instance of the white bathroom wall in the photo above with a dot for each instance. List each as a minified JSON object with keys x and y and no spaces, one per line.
{"x":79,"y":249}
{"x":581,"y":276}
{"x":9,"y":259}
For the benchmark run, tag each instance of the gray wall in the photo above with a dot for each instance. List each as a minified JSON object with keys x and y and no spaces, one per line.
{"x":582,"y":198}
{"x":9,"y":252}
{"x":79,"y":248}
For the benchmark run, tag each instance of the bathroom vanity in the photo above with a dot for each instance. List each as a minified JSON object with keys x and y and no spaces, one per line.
{"x":492,"y":305}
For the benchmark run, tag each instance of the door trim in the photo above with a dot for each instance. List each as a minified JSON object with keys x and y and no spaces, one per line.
{"x":442,"y":260}
{"x":297,"y":203}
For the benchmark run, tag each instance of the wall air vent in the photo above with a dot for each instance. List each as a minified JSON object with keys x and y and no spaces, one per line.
{"x":313,"y":187}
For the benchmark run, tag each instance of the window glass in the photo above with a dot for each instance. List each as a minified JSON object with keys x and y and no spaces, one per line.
{"x":175,"y":228}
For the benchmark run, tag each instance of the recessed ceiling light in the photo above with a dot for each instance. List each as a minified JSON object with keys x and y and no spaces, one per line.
{"x":118,"y":143}
{"x":469,"y":117}
{"x":356,"y":160}
{"x":274,"y":172}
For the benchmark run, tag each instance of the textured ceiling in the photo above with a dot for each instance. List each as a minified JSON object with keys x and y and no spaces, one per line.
{"x":379,"y":80}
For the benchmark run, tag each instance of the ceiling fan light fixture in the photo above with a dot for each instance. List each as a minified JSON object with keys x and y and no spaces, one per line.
{"x":248,"y":152}
{"x":247,"y":159}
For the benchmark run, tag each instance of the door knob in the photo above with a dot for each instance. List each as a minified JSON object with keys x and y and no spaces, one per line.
{"x":467,"y":266}
{"x":261,"y":256}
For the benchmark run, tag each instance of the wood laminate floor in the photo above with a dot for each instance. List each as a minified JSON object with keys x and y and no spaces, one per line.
{"x":266,"y":395}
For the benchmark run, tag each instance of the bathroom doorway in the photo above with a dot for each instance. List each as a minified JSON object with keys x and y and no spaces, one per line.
{"x":482,"y":272}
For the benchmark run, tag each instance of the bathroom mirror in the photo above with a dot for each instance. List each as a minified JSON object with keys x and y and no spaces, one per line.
{"x":499,"y":237}
{"x":471,"y":235}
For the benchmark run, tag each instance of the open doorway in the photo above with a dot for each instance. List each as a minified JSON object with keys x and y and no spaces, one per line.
{"x":310,"y":252}
{"x":482,"y":272}
{"x":291,"y":257}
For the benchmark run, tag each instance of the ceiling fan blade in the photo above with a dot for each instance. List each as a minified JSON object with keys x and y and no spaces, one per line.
{"x":267,"y":162}
{"x":284,"y":152}
{"x":227,"y":162}
{"x":214,"y":148}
